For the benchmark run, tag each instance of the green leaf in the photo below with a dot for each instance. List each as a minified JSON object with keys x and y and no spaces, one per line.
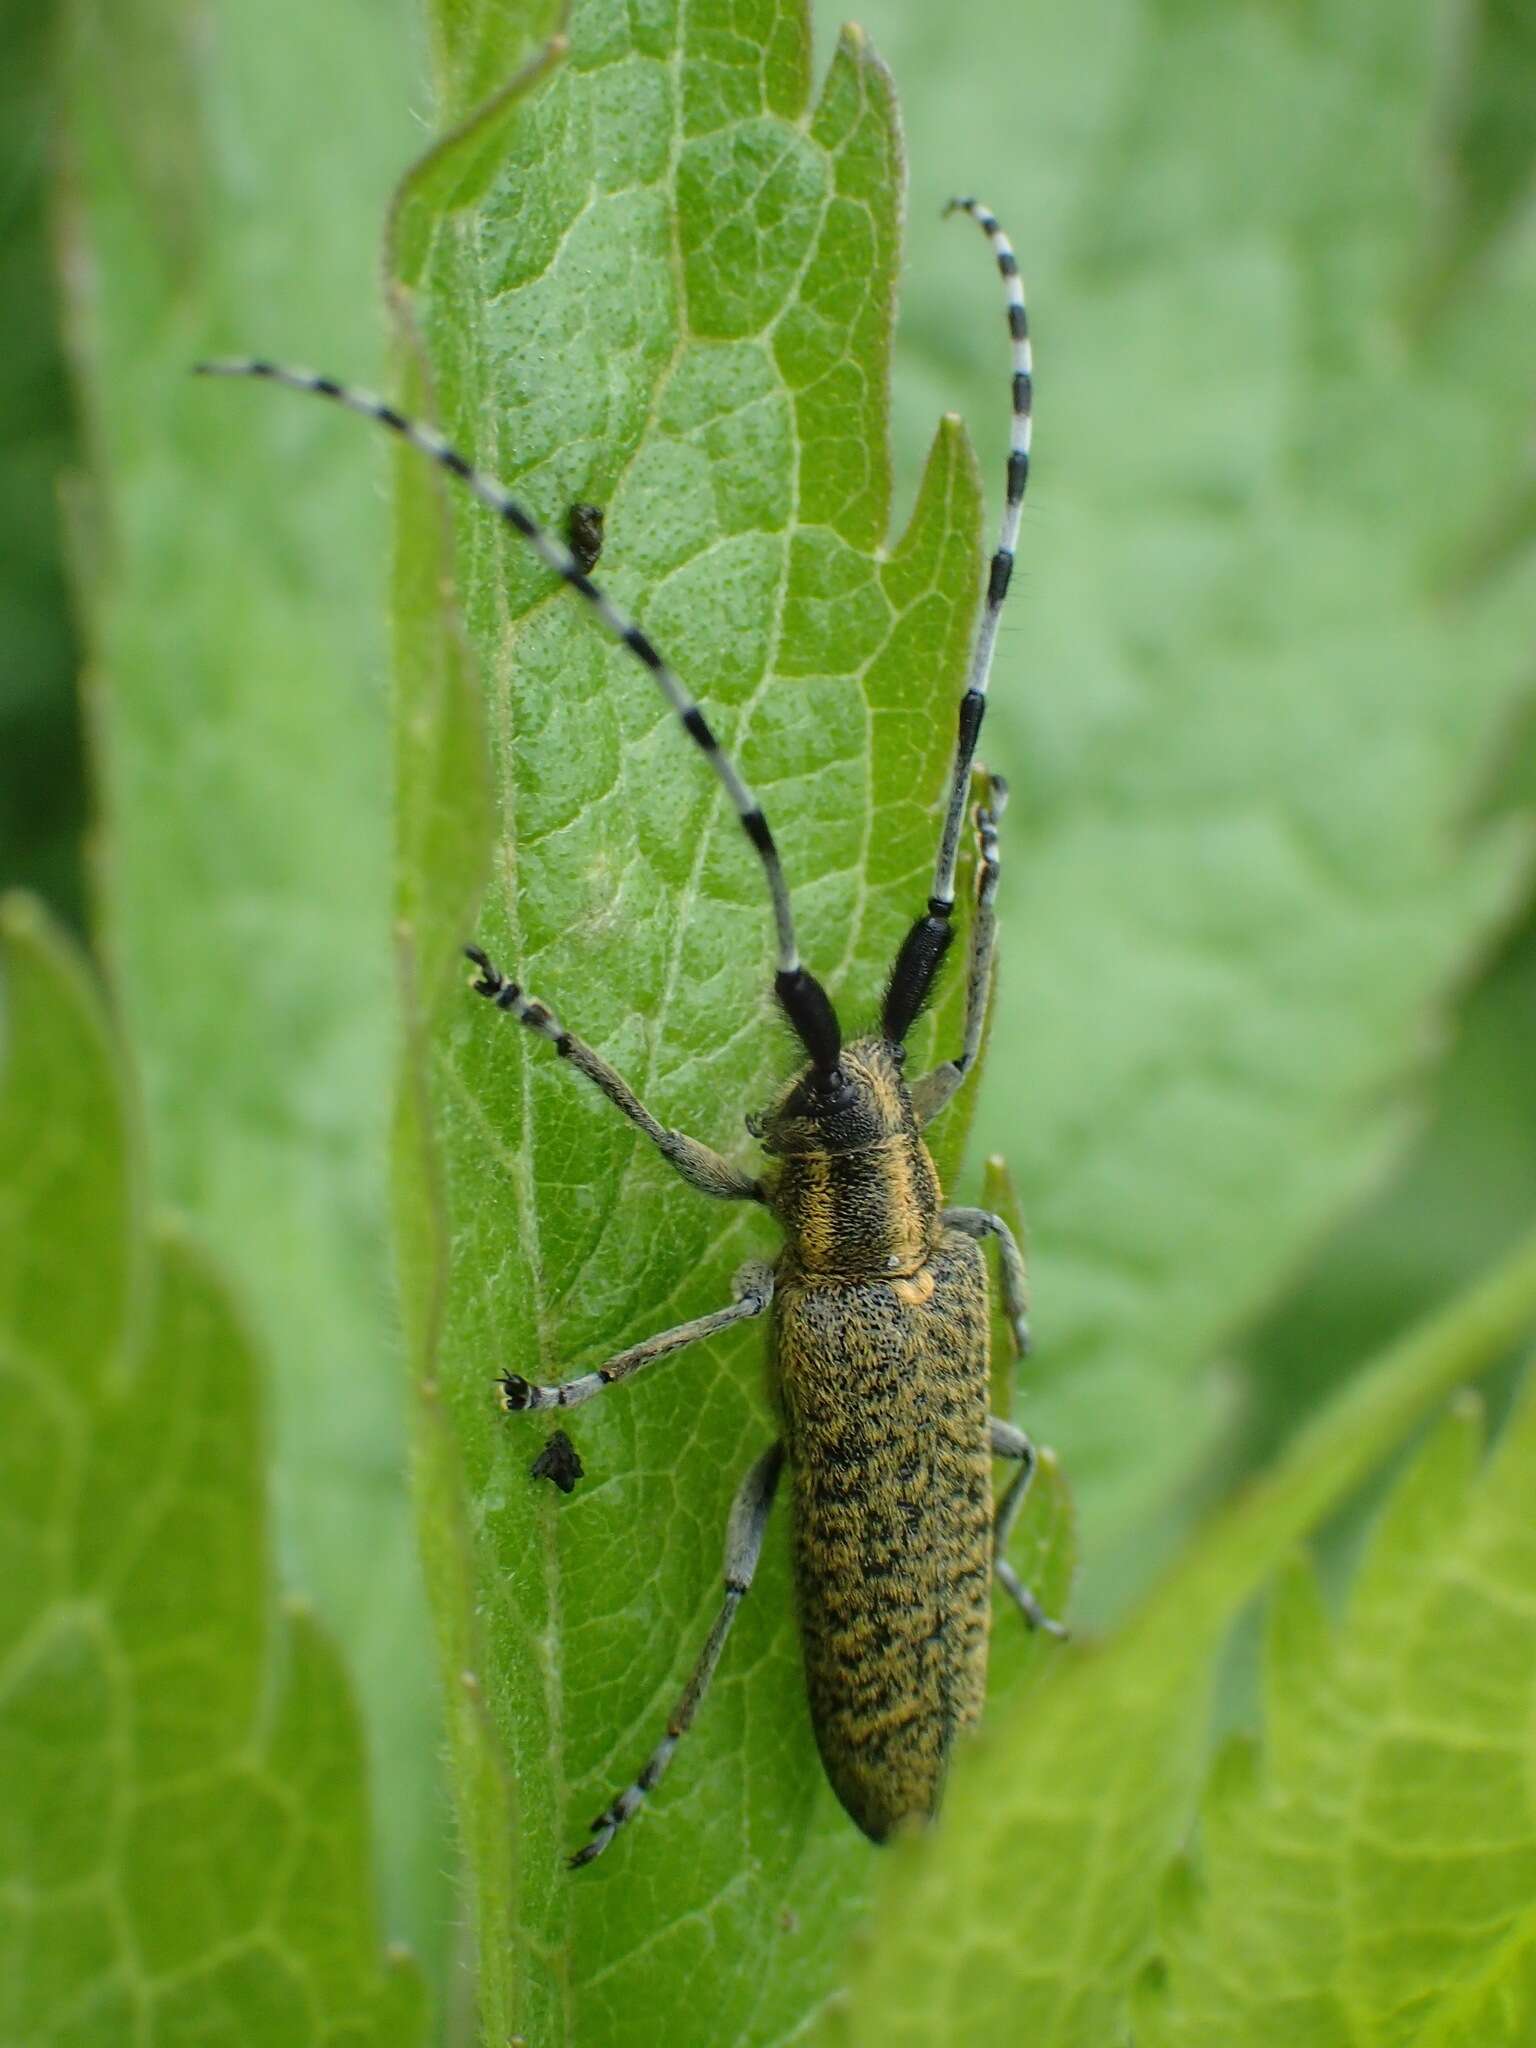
{"x":1369,"y":1878}
{"x":184,"y":1848}
{"x":1031,"y":1907}
{"x":1274,"y":619}
{"x":674,"y":300}
{"x":231,"y":566}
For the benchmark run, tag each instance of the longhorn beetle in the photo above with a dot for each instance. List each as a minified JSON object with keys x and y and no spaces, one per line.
{"x":879,"y":1296}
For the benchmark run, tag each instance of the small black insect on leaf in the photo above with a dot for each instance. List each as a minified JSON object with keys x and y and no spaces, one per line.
{"x":584,"y":535}
{"x":559,"y":1462}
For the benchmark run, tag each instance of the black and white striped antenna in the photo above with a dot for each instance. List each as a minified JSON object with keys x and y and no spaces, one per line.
{"x":926,"y":943}
{"x":973,"y":705}
{"x":804,"y":1001}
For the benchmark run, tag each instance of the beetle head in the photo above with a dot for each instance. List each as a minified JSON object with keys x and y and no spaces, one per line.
{"x":862,"y":1102}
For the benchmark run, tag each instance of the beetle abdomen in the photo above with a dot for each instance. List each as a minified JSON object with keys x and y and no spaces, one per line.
{"x":884,"y":1386}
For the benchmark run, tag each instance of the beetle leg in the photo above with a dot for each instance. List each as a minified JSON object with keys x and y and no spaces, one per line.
{"x":982,"y":1223}
{"x":743,"y":1546}
{"x":934,"y":1091}
{"x":1010,"y":1442}
{"x":701,"y":1167}
{"x":753,"y":1289}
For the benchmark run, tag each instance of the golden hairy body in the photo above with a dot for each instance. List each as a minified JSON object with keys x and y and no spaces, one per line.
{"x":884,"y":1396}
{"x":882,"y":1369}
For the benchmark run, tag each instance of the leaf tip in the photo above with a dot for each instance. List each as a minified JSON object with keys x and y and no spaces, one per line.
{"x":855,"y":48}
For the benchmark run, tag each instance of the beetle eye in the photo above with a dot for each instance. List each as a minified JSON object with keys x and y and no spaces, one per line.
{"x":837,"y":1092}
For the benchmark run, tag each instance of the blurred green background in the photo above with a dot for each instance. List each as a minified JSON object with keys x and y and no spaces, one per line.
{"x":41,"y":761}
{"x":1264,"y":696}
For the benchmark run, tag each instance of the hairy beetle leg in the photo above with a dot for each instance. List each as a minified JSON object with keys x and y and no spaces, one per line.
{"x":1011,"y":1442}
{"x":753,"y":1291}
{"x":743,"y":1547}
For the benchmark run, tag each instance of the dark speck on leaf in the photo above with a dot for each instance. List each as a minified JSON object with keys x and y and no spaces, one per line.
{"x":558,"y":1461}
{"x":584,"y":535}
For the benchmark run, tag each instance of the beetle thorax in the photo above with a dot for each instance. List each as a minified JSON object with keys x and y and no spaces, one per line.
{"x":856,"y":1193}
